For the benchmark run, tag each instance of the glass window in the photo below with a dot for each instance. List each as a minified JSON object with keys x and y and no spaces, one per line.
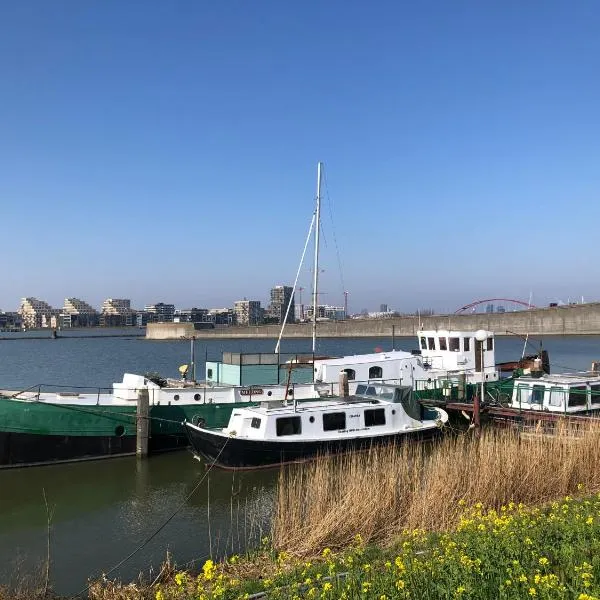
{"x":524,"y":392}
{"x":454,"y":344}
{"x":361,"y":388}
{"x":467,"y":342}
{"x":423,"y":344}
{"x":443,"y":343}
{"x":334,"y":421}
{"x":595,"y":394}
{"x":351,"y":374}
{"x":375,"y":373}
{"x":209,"y":373}
{"x":577,"y":396}
{"x":288,"y":426}
{"x":431,"y":342}
{"x":255,"y":423}
{"x":490,"y":344}
{"x":556,"y":397}
{"x":537,"y":395}
{"x":374,"y":417}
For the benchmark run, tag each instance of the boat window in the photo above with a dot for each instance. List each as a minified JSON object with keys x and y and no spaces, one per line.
{"x":454,"y":344}
{"x":361,"y":388}
{"x":375,"y":373}
{"x":537,"y":395}
{"x":288,"y":426}
{"x":209,"y":373}
{"x":490,"y":343}
{"x":556,"y":397}
{"x":423,"y":344}
{"x":374,"y":416}
{"x":334,"y":421}
{"x":431,"y":342}
{"x":371,"y":391}
{"x":577,"y":396}
{"x":443,"y":343}
{"x":467,"y":343}
{"x":524,"y":392}
{"x":351,"y":374}
{"x":595,"y":394}
{"x":255,"y":423}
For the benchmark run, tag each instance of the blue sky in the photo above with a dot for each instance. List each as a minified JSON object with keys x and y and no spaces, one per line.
{"x":166,"y":151}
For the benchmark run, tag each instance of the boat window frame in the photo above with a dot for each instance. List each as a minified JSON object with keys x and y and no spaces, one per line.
{"x":374,"y":414}
{"x":443,"y":342}
{"x":578,"y":395}
{"x":423,"y":343}
{"x":594,"y":392}
{"x":334,"y":425}
{"x":294,"y":420}
{"x":431,"y":343}
{"x":351,"y":374}
{"x":454,"y":344}
{"x":490,"y":344}
{"x":255,"y":422}
{"x":375,"y":372}
{"x":535,"y":389}
{"x":467,"y":344}
{"x":554,"y":392}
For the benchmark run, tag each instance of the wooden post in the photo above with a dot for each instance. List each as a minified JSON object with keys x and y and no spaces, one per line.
{"x":142,"y":423}
{"x":462,"y":386}
{"x":476,"y":417}
{"x":344,"y":388}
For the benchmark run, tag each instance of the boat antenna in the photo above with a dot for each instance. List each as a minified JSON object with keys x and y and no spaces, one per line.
{"x":316,"y":266}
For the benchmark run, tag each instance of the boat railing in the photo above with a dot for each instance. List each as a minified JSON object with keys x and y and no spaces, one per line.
{"x":59,"y":389}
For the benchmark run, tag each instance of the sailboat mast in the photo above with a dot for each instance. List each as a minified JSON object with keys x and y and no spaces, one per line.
{"x":316,"y":265}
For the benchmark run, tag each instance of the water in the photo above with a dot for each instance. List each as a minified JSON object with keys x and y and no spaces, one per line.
{"x":103,"y":510}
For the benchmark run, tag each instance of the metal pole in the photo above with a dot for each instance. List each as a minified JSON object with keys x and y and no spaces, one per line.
{"x":316,"y":264}
{"x":192,"y":361}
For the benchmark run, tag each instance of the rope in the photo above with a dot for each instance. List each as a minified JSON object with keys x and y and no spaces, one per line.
{"x":162,"y":526}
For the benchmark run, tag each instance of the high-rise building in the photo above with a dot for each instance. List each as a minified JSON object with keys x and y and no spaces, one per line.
{"x":77,"y":313}
{"x":36,"y":313}
{"x":280,"y":298}
{"x":383,"y":308}
{"x":160,"y":312}
{"x":117,"y":312}
{"x":248,"y":312}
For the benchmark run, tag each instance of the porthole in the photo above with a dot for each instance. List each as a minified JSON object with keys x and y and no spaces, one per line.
{"x":176,"y":397}
{"x":196,"y":397}
{"x":119,"y":430}
{"x":269,"y":393}
{"x":393,"y":411}
{"x":311,"y":419}
{"x":290,"y":392}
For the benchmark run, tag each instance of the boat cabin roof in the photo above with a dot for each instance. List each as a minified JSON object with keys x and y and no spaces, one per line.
{"x":369,"y":358}
{"x":562,"y":379}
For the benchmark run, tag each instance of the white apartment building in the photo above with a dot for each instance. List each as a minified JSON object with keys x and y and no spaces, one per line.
{"x":77,"y":313}
{"x":248,"y":312}
{"x":36,"y":313}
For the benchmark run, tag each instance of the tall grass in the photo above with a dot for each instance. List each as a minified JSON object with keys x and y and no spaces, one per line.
{"x":379,"y":493}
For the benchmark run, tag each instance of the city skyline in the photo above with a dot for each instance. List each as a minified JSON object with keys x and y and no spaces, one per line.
{"x":171,"y":151}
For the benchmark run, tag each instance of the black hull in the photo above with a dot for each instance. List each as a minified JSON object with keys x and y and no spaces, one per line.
{"x":27,"y":449}
{"x":236,"y":453}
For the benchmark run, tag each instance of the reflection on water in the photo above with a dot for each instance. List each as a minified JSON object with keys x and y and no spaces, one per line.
{"x":104,"y":510}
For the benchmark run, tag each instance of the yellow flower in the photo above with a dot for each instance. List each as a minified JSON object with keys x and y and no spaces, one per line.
{"x":209,"y":569}
{"x":326,"y":552}
{"x":532,"y":592}
{"x":460,"y":591}
{"x":179,"y":578}
{"x":543,"y":560}
{"x":327,"y":586}
{"x":589,"y":521}
{"x":159,"y":595}
{"x":400,"y":584}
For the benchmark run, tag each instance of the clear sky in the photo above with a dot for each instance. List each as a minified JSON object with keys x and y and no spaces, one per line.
{"x":166,"y":151}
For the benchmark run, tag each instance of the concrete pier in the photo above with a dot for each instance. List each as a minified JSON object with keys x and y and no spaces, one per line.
{"x":577,"y":319}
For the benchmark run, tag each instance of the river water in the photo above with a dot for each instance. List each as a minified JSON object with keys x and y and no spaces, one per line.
{"x":101,"y":511}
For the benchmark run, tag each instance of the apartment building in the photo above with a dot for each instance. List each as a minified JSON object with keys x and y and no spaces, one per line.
{"x":280,"y":298}
{"x":160,"y":312}
{"x":248,"y":312}
{"x":77,"y":313}
{"x":117,"y":312}
{"x":36,"y":313}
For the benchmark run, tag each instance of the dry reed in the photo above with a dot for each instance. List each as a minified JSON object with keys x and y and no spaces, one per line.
{"x":381,"y":492}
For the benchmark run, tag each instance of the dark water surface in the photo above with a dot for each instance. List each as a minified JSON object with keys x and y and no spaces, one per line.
{"x":103,"y":510}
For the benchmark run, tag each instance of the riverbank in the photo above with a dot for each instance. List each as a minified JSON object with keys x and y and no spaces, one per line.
{"x":579,"y":319}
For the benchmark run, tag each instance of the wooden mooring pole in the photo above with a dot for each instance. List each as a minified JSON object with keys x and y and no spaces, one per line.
{"x":344,"y":388}
{"x":142,"y":424}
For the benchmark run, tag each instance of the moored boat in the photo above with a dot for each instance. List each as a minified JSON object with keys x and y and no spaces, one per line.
{"x":275,"y":433}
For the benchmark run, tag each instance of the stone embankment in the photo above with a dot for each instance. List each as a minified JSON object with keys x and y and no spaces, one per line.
{"x":580,"y":319}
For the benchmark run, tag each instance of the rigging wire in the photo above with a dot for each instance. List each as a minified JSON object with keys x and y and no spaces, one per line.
{"x":337,"y":250}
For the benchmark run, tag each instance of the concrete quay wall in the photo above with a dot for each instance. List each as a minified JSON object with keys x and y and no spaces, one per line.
{"x":577,"y":319}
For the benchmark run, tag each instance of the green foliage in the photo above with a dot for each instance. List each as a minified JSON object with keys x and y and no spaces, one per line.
{"x":516,"y":552}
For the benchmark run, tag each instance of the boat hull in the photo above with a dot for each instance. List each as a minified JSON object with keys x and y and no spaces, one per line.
{"x":241,"y":453}
{"x":36,"y":433}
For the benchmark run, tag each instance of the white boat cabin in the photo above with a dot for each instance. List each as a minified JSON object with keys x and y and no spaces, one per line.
{"x":375,"y":410}
{"x":442,"y":354}
{"x":566,"y":393}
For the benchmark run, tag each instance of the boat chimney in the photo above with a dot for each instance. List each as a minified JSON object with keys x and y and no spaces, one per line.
{"x":344,"y":388}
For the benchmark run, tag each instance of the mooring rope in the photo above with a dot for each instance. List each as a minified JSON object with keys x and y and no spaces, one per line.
{"x":163,"y":525}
